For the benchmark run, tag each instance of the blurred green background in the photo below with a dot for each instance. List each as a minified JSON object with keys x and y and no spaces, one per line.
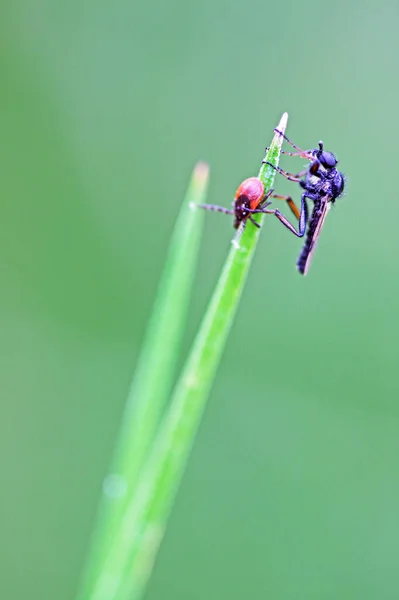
{"x":292,"y":491}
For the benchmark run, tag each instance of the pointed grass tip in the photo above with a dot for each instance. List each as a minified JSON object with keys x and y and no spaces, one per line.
{"x":199,"y":182}
{"x":281,"y":127}
{"x":201,"y":172}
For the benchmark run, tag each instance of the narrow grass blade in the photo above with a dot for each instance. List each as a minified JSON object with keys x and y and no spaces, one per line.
{"x":153,"y":379}
{"x":132,"y":554}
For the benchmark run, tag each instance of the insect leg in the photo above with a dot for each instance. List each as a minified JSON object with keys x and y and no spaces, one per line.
{"x":264,"y":202}
{"x":294,"y":209}
{"x":216,"y":208}
{"x":301,"y":152}
{"x":254,"y":222}
{"x":285,"y":174}
{"x":290,"y":202}
{"x":303,"y":218}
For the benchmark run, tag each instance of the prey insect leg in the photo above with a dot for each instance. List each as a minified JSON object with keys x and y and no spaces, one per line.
{"x":216,"y":208}
{"x":254,"y":222}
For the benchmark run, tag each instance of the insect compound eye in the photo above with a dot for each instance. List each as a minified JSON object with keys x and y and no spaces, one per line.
{"x":314,"y":167}
{"x":328,"y":159}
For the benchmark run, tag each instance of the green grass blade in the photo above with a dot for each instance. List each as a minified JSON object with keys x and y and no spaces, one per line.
{"x":153,"y":379}
{"x":133,"y":553}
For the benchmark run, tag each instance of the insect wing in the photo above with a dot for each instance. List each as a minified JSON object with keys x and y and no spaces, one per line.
{"x":305,"y":260}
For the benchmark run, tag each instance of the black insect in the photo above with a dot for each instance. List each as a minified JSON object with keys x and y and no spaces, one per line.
{"x":322,"y":184}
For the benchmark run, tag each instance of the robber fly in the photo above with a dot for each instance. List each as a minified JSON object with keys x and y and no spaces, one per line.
{"x":322,"y":184}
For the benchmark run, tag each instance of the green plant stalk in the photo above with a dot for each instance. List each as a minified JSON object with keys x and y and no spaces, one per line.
{"x":153,"y":378}
{"x":134,"y":550}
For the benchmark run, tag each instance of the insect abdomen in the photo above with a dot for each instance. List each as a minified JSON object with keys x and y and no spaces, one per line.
{"x":314,"y":220}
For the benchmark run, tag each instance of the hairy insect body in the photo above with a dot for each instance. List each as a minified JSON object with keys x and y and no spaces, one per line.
{"x":322,"y":184}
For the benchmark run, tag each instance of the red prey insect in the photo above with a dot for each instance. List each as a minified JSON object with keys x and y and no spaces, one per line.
{"x":250,"y":199}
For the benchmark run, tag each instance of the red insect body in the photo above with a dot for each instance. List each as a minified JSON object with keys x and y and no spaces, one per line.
{"x":253,"y":189}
